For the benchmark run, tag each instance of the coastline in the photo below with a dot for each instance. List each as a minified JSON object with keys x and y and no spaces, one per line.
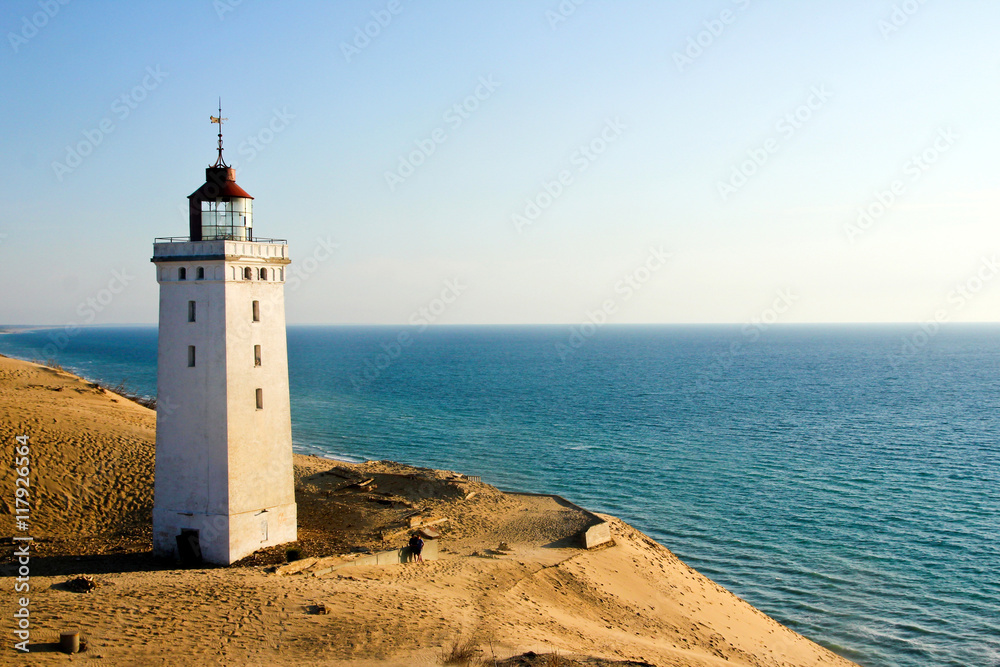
{"x":633,"y":601}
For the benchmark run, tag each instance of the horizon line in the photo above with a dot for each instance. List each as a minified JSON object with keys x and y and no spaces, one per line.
{"x":5,"y":328}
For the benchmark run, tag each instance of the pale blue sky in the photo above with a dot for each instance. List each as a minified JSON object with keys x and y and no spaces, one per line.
{"x":672,"y":134}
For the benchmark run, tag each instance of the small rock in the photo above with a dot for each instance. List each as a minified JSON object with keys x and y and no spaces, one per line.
{"x":83,"y":584}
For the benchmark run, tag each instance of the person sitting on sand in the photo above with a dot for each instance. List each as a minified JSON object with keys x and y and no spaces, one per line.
{"x":416,"y":546}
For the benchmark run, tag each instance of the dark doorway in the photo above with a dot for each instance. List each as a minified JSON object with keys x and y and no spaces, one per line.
{"x":188,"y":548}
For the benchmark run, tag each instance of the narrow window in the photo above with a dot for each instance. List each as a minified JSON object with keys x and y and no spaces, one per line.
{"x":247,"y":273}
{"x":191,"y":311}
{"x":182,"y":273}
{"x":263,"y":274}
{"x":256,"y":355}
{"x":260,"y":399}
{"x":256,"y":311}
{"x":190,"y":356}
{"x":200,"y":274}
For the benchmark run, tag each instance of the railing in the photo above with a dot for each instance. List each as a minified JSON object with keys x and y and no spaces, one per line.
{"x":187,"y":239}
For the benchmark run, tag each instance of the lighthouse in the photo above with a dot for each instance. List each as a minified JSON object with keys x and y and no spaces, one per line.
{"x":223,"y":483}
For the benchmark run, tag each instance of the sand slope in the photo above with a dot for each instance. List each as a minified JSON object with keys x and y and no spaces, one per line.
{"x":91,"y":455}
{"x":632,"y":601}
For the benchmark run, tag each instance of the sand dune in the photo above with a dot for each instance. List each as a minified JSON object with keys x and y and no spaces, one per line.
{"x":92,"y":473}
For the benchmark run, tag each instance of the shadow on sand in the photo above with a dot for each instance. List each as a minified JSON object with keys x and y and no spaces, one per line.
{"x":116,"y":563}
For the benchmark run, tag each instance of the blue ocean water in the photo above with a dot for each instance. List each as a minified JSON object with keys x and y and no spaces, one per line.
{"x":845,"y":480}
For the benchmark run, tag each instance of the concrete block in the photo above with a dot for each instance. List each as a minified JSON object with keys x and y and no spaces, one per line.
{"x":388,"y":557}
{"x":596,"y":535}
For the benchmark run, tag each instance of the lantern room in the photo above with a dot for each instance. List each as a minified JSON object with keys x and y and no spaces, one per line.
{"x":220,"y":209}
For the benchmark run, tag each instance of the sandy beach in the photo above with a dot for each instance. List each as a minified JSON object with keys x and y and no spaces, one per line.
{"x":91,"y":492}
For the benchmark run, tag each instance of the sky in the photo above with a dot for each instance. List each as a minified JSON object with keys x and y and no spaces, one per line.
{"x":515,"y":162}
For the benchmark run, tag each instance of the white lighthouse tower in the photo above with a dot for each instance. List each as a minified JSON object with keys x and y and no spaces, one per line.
{"x":223,"y":486}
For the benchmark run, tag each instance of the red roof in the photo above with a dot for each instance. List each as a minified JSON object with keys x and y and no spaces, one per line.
{"x":226,"y":189}
{"x":219,"y":182}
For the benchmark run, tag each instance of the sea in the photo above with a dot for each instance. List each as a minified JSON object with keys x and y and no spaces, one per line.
{"x":843,"y":479}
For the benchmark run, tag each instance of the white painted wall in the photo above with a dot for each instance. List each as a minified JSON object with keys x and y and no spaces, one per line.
{"x":223,"y":467}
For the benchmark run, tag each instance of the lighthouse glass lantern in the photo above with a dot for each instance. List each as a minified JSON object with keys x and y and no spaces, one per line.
{"x":220,"y":209}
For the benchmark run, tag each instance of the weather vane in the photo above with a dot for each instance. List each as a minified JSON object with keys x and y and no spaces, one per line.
{"x":218,"y":119}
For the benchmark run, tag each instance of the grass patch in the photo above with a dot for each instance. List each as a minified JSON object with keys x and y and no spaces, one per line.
{"x":463,"y":652}
{"x":124,"y":390}
{"x":53,"y":364}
